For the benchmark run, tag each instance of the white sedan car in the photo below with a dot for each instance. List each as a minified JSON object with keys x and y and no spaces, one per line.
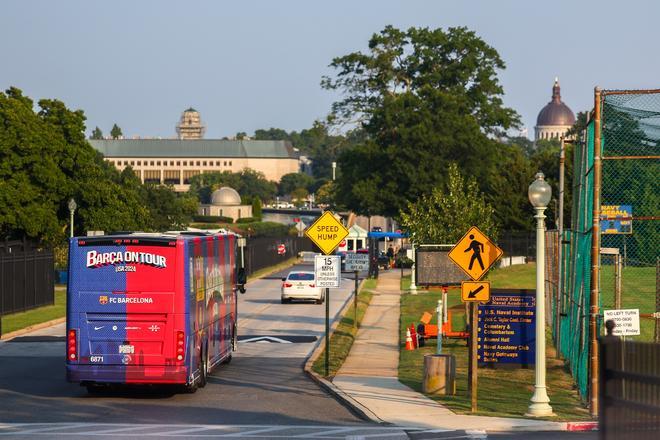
{"x":301,"y":285}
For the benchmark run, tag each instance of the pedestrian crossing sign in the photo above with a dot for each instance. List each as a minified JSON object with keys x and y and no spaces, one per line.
{"x":475,"y":253}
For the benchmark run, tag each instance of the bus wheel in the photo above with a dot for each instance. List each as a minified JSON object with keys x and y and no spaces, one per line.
{"x":204,"y":366}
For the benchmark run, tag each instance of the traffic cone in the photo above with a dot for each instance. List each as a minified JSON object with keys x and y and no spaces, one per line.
{"x":409,"y":341}
{"x":413,"y":336}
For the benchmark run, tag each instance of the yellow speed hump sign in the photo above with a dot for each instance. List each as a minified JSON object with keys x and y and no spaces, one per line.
{"x":326,"y":232}
{"x":475,"y":291}
{"x":475,"y":253}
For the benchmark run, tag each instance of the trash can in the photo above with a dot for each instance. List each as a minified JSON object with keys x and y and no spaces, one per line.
{"x":439,"y":374}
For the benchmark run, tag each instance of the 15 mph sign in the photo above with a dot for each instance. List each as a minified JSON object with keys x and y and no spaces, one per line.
{"x":327,"y":270}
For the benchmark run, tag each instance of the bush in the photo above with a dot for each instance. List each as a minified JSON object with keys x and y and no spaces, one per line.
{"x":262,"y":229}
{"x":212,"y":219}
{"x":403,"y":261}
{"x":247,"y":220}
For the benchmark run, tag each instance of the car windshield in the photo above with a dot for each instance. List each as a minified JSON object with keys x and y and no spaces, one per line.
{"x":297,"y":276}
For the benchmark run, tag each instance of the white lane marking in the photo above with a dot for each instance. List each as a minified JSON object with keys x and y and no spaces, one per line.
{"x":49,"y":429}
{"x":476,"y":433}
{"x":266,"y":339}
{"x":256,"y":431}
{"x":324,"y":433}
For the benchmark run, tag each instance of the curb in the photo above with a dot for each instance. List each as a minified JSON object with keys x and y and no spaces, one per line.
{"x":42,"y":325}
{"x":346,"y":400}
{"x":582,"y":426}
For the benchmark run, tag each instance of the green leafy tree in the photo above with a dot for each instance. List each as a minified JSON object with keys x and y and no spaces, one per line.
{"x":241,"y":135}
{"x":249,"y":183}
{"x":299,"y":195}
{"x":424,"y":98}
{"x":97,"y":134}
{"x":290,"y":182}
{"x":443,"y":216}
{"x":256,"y":208}
{"x":116,"y":132}
{"x":168,"y":209}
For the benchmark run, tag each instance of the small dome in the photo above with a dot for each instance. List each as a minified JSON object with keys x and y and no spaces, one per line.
{"x":555,"y":112}
{"x":225,"y":196}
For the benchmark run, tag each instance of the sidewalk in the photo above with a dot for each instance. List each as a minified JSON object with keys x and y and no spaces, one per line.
{"x":369,"y":375}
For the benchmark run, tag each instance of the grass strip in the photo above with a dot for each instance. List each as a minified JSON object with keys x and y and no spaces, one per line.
{"x":501,"y":392}
{"x":343,"y":337}
{"x":17,"y":321}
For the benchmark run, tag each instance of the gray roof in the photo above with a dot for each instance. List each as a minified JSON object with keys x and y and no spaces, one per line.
{"x":192,"y":148}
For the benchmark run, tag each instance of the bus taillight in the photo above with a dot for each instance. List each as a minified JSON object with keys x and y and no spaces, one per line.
{"x":180,"y":344}
{"x":72,"y":345}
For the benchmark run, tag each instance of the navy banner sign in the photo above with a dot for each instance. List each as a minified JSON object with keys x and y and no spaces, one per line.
{"x":507,"y":325}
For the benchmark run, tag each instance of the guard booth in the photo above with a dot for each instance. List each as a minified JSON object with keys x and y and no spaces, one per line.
{"x":378,"y":243}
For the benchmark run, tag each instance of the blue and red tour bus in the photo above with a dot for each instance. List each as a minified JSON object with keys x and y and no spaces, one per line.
{"x":151,"y":308}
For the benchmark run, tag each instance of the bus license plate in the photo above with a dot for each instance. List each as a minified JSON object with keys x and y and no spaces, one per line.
{"x":126,"y":349}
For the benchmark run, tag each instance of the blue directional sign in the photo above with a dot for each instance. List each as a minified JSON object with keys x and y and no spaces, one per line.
{"x":507,"y":325}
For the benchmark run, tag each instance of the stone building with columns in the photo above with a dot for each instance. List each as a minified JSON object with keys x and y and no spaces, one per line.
{"x":175,"y":161}
{"x":555,"y":118}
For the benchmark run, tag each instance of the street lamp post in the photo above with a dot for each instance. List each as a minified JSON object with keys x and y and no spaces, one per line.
{"x":334,"y":168}
{"x":72,"y":207}
{"x":539,"y":193}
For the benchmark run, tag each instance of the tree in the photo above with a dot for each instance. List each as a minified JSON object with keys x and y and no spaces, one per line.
{"x":424,"y":98}
{"x":44,"y":161}
{"x":116,"y":132}
{"x":241,"y":135}
{"x":299,"y":196}
{"x":256,"y":208}
{"x":248,"y":183}
{"x":290,"y":182}
{"x":97,"y":134}
{"x":443,"y":216}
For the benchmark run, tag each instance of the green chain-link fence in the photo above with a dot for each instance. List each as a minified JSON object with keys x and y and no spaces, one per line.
{"x":629,"y":227}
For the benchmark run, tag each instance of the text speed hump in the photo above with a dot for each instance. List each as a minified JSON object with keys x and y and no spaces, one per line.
{"x":475,"y":253}
{"x":326,"y":232}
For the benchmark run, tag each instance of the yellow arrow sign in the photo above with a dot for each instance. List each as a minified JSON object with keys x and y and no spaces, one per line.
{"x":475,"y":291}
{"x":475,"y":253}
{"x":326,"y":232}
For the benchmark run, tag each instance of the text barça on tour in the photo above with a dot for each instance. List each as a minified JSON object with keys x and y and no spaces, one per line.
{"x":97,"y":259}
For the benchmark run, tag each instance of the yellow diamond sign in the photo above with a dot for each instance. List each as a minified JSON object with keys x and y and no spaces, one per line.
{"x":475,"y":253}
{"x":326,"y":232}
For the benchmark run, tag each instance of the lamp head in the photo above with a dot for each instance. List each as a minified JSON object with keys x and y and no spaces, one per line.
{"x":72,"y":205}
{"x":539,"y":192}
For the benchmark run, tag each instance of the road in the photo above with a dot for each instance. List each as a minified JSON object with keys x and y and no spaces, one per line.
{"x":262,"y":393}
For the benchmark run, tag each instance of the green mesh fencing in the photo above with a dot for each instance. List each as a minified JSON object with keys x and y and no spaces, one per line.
{"x":630,"y":197}
{"x":630,"y":234}
{"x":574,"y":322}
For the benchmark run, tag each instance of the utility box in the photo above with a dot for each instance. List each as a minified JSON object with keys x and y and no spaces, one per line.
{"x":439,"y":374}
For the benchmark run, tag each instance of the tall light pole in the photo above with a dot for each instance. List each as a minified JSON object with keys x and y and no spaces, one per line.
{"x":334,"y":168}
{"x":72,"y":207}
{"x":539,"y":193}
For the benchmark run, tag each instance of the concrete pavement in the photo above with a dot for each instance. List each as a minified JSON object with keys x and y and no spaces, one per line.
{"x":369,"y":375}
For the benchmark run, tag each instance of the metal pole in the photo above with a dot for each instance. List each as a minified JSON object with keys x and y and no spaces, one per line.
{"x":413,"y":286}
{"x":327,"y":331}
{"x":473,"y":355}
{"x":355,"y":301}
{"x":617,"y":281}
{"x":560,"y":253}
{"x":595,"y":263}
{"x":540,"y":406}
{"x":439,"y":310}
{"x":71,"y":223}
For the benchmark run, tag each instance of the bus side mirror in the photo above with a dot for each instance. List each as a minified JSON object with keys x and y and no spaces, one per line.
{"x":241,"y":280}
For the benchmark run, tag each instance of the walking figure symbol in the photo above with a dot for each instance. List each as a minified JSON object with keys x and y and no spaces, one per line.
{"x":477,"y":248}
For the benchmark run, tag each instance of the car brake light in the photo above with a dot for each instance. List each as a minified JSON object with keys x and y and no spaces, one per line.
{"x":72,"y":345}
{"x":312,"y":285}
{"x":288,"y":285}
{"x":180,"y":345}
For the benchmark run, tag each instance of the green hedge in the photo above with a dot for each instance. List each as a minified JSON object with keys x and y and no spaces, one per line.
{"x":212,"y":219}
{"x":262,"y":229}
{"x":247,"y":220}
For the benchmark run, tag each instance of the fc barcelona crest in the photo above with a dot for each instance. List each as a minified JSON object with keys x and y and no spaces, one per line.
{"x":103,"y":299}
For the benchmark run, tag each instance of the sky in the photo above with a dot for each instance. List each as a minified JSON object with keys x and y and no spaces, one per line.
{"x":251,"y":64}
